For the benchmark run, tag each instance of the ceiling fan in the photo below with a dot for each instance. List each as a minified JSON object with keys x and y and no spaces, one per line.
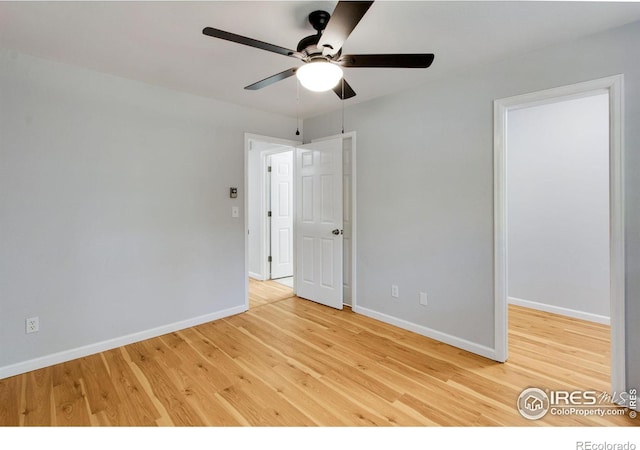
{"x":321,"y":53}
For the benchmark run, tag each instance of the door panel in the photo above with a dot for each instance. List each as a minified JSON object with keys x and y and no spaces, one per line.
{"x":281,"y":214}
{"x":327,"y":261}
{"x":318,"y":214}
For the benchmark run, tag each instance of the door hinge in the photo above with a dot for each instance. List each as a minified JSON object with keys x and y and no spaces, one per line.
{"x":269,"y":169}
{"x":268,"y":213}
{"x":269,"y":259}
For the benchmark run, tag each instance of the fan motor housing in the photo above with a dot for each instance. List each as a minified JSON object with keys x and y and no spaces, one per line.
{"x":309,"y":44}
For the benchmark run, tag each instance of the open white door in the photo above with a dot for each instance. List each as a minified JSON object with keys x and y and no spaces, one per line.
{"x":318,"y":274}
{"x":281,"y":214}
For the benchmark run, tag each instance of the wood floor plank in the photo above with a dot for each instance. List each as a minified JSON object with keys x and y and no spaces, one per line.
{"x":340,"y":404}
{"x":71,"y":408}
{"x":435,"y":394}
{"x":315,"y":410}
{"x":260,"y":360}
{"x":164,"y":419}
{"x":10,"y":398}
{"x":165,"y":385}
{"x":101,"y":394}
{"x":137,"y":408}
{"x":208,"y":358}
{"x":200,"y":383}
{"x":262,"y":406}
{"x":250,"y":397}
{"x":369,"y":382}
{"x":37,"y":408}
{"x":369,"y":399}
{"x":267,"y":292}
{"x":292,"y":362}
{"x":437,"y":415}
{"x":314,"y":313}
{"x":434,"y":367}
{"x":292,"y":347}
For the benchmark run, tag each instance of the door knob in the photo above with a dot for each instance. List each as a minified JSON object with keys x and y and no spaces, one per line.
{"x":336,"y":232}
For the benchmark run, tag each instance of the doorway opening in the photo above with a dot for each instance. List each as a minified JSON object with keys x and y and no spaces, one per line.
{"x":261,"y":242}
{"x":558,"y":209}
{"x":277,"y":199}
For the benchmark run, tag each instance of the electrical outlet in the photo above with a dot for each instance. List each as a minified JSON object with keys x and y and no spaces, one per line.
{"x":423,"y":298}
{"x":32,"y":325}
{"x":395,"y":293}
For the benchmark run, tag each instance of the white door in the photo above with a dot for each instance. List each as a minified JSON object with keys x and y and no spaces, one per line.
{"x":281,"y":214}
{"x":318,"y":274}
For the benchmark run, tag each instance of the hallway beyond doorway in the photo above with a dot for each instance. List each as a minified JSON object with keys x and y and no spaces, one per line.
{"x":266,"y":292}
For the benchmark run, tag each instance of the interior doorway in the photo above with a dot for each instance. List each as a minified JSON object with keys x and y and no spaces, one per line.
{"x":273,"y":247}
{"x":558,"y":207}
{"x":270,"y":208}
{"x":548,"y":194}
{"x":260,"y":289}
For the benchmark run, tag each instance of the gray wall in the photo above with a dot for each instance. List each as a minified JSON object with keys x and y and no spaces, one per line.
{"x":425,"y":185}
{"x":115,"y":214}
{"x":558,"y":207}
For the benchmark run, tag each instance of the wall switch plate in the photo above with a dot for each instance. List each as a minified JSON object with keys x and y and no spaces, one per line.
{"x":423,"y":298}
{"x":32,"y":325}
{"x":395,"y":293}
{"x":235,"y":211}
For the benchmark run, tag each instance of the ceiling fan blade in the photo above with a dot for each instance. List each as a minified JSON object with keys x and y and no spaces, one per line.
{"x":348,"y":90}
{"x":214,"y":32}
{"x":272,"y":79}
{"x":342,"y":22}
{"x":409,"y":61}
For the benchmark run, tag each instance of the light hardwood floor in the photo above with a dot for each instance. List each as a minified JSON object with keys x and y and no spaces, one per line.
{"x":291,"y":362}
{"x":264,"y":293}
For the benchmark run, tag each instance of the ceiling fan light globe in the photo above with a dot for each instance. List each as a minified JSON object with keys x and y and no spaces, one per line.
{"x":319,"y":76}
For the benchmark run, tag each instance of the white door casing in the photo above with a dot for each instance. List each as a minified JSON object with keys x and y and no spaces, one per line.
{"x":281,"y":214}
{"x":613,"y":85}
{"x":347,"y":220}
{"x":318,"y":225}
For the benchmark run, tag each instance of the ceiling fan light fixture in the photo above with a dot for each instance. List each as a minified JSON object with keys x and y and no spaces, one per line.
{"x":322,"y":53}
{"x":319,"y":76}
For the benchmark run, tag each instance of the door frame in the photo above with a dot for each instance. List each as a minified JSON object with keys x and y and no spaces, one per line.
{"x":612,"y":85}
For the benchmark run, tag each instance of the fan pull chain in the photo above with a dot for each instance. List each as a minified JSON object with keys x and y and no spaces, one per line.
{"x":342,"y":105}
{"x":297,"y":107}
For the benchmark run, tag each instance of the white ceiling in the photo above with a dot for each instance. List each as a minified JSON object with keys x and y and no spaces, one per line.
{"x":162,"y":42}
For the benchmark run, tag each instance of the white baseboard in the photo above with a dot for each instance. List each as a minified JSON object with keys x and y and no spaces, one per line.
{"x":560,"y":310}
{"x":454,"y":341}
{"x":79,"y":352}
{"x":256,"y":276}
